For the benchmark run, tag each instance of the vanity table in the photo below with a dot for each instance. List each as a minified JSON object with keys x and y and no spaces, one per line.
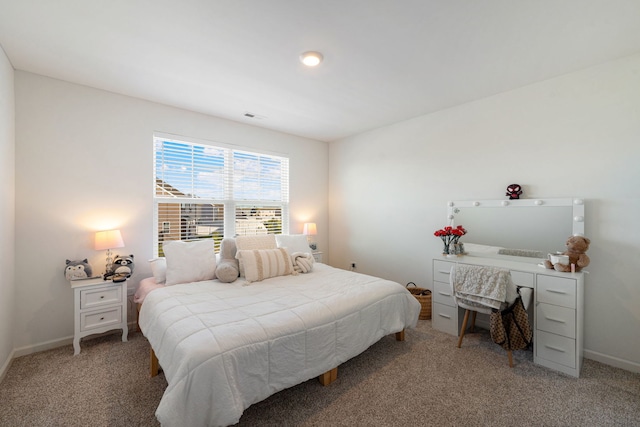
{"x":558,"y":301}
{"x":558,"y":298}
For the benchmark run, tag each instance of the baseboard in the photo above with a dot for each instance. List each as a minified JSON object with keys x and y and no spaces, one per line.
{"x":23,"y":351}
{"x":48,"y":345}
{"x":616,"y":362}
{"x":7,"y":365}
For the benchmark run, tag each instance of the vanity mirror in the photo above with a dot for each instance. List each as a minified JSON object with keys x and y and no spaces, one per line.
{"x":524,"y":227}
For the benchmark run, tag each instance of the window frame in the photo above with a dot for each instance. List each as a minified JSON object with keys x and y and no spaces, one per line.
{"x":230,"y":203}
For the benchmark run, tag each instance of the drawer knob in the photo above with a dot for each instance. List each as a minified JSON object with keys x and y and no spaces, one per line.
{"x":101,"y":319}
{"x":101,"y":296}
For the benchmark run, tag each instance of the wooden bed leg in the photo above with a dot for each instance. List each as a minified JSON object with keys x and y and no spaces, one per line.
{"x":328,"y":377}
{"x":154,"y":364}
{"x":400,"y":335}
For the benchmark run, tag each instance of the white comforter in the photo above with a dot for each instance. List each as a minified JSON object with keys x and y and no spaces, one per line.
{"x":225,"y":346}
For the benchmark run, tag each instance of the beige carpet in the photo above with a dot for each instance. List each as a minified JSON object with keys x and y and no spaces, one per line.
{"x":423,"y":381}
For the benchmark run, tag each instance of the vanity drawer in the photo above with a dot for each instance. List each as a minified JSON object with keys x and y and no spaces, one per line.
{"x":442,"y":293}
{"x":522,"y":279}
{"x":556,"y":291}
{"x":556,"y":319}
{"x":99,"y":319}
{"x":445,"y":318}
{"x":556,"y":348}
{"x":442,"y":270}
{"x":100,"y":296}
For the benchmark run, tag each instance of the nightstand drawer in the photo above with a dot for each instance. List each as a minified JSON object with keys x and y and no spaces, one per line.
{"x":556,"y":348}
{"x":92,"y":320}
{"x":442,"y":293}
{"x":556,"y":319}
{"x":445,"y":318}
{"x":102,"y":296}
{"x":556,"y":291}
{"x":442,"y":270}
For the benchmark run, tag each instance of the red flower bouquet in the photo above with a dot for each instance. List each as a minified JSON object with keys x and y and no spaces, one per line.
{"x":450,"y":236}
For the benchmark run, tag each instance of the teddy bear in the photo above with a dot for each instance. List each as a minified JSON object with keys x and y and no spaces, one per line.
{"x":576,"y":248}
{"x":122,"y":266}
{"x":77,"y":270}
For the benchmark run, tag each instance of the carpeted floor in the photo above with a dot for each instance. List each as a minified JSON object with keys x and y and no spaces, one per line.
{"x":422,"y":381}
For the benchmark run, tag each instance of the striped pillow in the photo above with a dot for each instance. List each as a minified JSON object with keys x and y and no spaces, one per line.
{"x":260,"y":264}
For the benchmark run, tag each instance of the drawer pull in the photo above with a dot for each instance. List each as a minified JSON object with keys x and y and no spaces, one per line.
{"x":444,"y":271}
{"x":444,"y":315}
{"x":445,"y":294}
{"x":554,"y":291}
{"x":555,"y":348}
{"x":555,"y":320}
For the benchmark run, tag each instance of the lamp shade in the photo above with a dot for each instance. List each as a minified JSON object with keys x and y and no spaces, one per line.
{"x":310,"y":229}
{"x":109,"y":239}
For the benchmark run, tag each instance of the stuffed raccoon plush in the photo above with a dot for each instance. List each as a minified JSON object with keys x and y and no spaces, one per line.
{"x":122,"y":266}
{"x":77,"y":270}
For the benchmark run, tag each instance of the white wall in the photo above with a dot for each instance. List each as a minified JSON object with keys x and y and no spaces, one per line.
{"x":575,"y":135}
{"x":7,"y":210}
{"x":84,"y":162}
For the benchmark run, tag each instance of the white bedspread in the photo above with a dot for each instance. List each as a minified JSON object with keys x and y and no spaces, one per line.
{"x":225,"y":346}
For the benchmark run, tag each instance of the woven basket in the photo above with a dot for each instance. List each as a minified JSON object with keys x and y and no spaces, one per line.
{"x":424,"y":298}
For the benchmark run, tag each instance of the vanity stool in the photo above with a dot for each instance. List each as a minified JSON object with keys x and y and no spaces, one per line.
{"x":477,"y":288}
{"x":463,"y":328}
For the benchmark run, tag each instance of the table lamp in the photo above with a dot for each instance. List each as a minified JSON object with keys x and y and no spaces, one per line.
{"x":310,"y":230}
{"x":108,"y":240}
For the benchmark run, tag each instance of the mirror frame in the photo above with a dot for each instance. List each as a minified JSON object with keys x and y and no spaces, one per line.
{"x":576,"y":203}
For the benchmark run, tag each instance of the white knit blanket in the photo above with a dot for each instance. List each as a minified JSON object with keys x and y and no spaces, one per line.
{"x":302,"y":262}
{"x":480,"y":286}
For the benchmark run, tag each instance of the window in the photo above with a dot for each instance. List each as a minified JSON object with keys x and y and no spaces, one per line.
{"x":210,"y":192}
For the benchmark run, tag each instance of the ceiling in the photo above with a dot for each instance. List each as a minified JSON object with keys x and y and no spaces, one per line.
{"x":384,"y":60}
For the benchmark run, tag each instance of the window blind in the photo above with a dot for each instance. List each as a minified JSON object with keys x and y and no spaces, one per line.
{"x":204,"y":191}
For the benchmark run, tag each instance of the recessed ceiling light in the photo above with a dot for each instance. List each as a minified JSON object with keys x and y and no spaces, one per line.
{"x":311,"y":59}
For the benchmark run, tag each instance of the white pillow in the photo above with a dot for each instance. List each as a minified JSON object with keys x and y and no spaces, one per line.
{"x":293,"y":243}
{"x":159,"y":269}
{"x":189,"y":261}
{"x":260,"y":241}
{"x":260,"y":264}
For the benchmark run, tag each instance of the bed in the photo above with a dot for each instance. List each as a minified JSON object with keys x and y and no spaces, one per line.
{"x":226,"y":346}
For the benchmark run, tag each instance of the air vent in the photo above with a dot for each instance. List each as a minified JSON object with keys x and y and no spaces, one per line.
{"x":251,"y":115}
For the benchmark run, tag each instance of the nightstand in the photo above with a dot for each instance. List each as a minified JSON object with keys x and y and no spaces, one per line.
{"x":99,"y":306}
{"x":317,"y":256}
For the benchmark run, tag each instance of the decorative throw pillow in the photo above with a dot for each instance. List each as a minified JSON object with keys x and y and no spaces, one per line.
{"x":260,"y":264}
{"x":228,"y":269}
{"x":293,"y":243}
{"x":260,"y":241}
{"x":189,"y":261}
{"x":159,"y":269}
